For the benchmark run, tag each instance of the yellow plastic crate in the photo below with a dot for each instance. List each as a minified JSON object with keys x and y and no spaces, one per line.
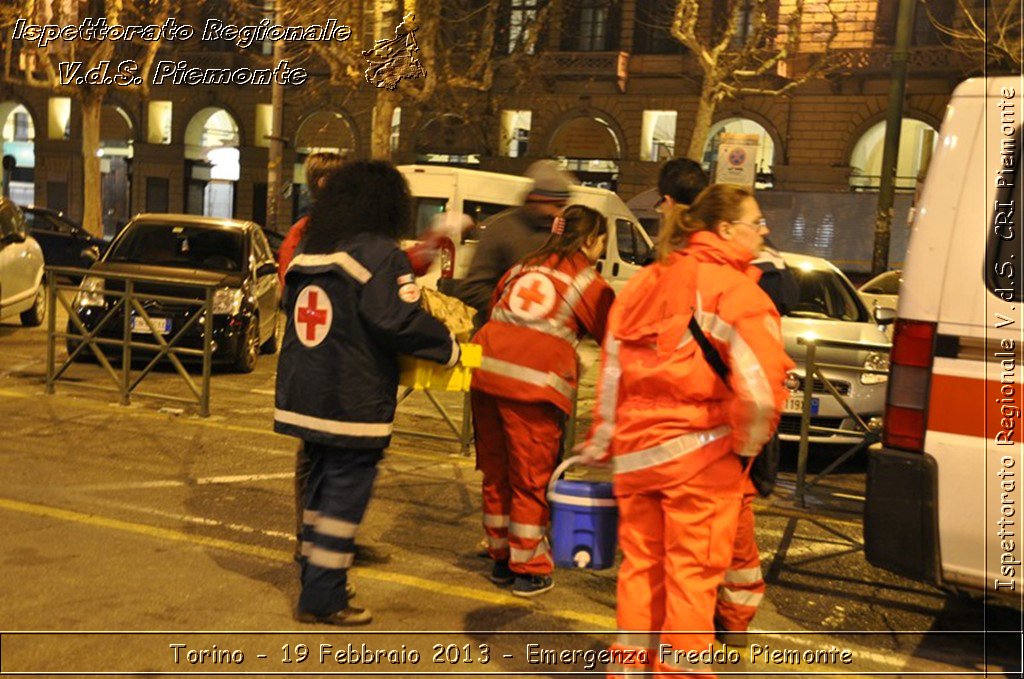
{"x":420,"y":374}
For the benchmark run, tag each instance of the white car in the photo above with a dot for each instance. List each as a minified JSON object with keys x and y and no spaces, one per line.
{"x":883,"y":290}
{"x":21,"y":269}
{"x":829,"y":309}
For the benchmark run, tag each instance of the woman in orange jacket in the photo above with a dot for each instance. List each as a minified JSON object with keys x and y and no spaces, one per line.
{"x":679,"y":436}
{"x":525,"y":387}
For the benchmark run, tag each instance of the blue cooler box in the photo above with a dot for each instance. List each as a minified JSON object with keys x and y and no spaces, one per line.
{"x":584,"y":522}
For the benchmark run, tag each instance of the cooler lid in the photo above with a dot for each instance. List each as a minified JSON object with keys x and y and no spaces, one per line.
{"x":592,"y":489}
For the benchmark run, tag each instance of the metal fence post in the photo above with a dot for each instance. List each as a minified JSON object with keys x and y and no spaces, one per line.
{"x":805,"y":422}
{"x":204,"y":399}
{"x":126,"y":348}
{"x":51,"y":329}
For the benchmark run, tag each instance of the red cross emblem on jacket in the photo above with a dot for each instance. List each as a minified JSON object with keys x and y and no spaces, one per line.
{"x":533,"y":296}
{"x":313,"y":314}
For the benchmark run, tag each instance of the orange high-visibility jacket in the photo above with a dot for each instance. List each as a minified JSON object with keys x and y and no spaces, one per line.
{"x":662,"y":412}
{"x":538,"y":315}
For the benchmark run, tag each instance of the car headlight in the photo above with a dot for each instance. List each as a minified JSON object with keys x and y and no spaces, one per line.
{"x":876,"y":360}
{"x":227,"y":301}
{"x":90,"y":293}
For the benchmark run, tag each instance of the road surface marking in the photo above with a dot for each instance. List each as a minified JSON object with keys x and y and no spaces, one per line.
{"x":281,"y":556}
{"x":202,"y":481}
{"x":187,"y":518}
{"x":221,"y":426}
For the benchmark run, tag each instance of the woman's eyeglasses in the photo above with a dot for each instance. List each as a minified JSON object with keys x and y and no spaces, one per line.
{"x":759,"y":225}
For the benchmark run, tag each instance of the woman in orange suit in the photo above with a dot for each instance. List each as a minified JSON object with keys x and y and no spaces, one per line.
{"x":525,"y":386}
{"x":681,"y":437}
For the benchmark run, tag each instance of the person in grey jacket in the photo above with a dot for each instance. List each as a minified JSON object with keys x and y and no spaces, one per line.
{"x":514,"y":233}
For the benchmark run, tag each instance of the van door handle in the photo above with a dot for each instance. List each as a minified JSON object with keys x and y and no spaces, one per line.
{"x":615,"y":269}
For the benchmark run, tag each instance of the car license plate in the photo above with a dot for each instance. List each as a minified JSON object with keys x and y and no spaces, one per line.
{"x":139,"y":325}
{"x":795,"y":404}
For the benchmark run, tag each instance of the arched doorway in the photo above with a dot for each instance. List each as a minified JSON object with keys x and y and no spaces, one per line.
{"x":763,"y":177}
{"x":17,"y":139}
{"x":116,"y":151}
{"x":211,"y":163}
{"x":319,"y":132}
{"x":917,"y":143}
{"x":449,"y":139}
{"x":590,"y":148}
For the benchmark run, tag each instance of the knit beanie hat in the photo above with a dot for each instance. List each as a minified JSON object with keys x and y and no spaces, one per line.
{"x":550,"y":184}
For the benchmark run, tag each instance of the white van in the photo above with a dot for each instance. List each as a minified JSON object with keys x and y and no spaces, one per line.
{"x":944,"y":501}
{"x":480,"y":195}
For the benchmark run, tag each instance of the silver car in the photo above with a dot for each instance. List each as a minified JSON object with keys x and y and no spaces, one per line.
{"x":830,"y":309}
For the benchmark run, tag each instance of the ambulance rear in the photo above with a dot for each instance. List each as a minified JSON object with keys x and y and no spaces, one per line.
{"x":944,"y":496}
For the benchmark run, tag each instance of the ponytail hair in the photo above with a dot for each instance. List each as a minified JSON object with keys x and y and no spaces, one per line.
{"x":580,"y":225}
{"x":717,"y":203}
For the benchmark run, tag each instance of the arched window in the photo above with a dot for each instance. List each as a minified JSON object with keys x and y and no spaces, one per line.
{"x":17,"y":139}
{"x":590,"y":148}
{"x":212,"y":159}
{"x":917,"y":142}
{"x":117,"y":137}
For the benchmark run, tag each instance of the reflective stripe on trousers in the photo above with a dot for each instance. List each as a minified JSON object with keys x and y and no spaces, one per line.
{"x":339,"y":488}
{"x":516,"y":445}
{"x":743,"y":586}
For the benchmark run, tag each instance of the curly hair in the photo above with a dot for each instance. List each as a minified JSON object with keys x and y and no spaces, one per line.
{"x":361,"y":196}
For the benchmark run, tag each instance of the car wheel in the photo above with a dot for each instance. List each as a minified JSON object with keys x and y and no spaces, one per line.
{"x":35,"y":316}
{"x":248,"y":348}
{"x":272,"y":345}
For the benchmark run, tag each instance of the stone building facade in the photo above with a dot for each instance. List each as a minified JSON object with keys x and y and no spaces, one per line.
{"x":617,"y":97}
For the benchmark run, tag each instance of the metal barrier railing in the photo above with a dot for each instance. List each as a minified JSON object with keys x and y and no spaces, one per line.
{"x":130,"y":304}
{"x":813,"y":372}
{"x":463,"y":431}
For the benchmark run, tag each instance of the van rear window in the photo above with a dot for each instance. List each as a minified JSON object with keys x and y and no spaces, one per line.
{"x":424,"y":211}
{"x":1004,"y":256}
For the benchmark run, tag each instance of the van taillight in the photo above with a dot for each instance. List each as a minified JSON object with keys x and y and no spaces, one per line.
{"x":910,"y":374}
{"x":446,"y":251}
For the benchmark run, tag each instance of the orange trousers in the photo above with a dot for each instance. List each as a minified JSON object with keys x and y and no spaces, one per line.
{"x":743,"y":586}
{"x":677,"y":544}
{"x":517,"y":445}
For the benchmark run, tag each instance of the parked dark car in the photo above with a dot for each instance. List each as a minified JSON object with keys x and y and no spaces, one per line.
{"x":64,"y":242}
{"x":275,"y":240}
{"x":231,"y":254}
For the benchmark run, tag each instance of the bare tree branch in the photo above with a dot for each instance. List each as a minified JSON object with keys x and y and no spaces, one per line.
{"x":988,"y":33}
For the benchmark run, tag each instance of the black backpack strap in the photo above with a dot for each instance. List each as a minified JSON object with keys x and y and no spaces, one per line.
{"x":711,"y":354}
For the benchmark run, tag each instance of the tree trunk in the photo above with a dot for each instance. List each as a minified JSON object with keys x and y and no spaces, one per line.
{"x":380,"y":135}
{"x":702,"y":124}
{"x":92,"y":211}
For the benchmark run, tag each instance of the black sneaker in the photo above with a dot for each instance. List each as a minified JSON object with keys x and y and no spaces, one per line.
{"x":501,"y":574}
{"x":346,"y":617}
{"x":532,"y":585}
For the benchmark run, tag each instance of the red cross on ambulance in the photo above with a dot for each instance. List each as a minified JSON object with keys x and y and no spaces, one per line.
{"x":313,"y":315}
{"x":533,"y":296}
